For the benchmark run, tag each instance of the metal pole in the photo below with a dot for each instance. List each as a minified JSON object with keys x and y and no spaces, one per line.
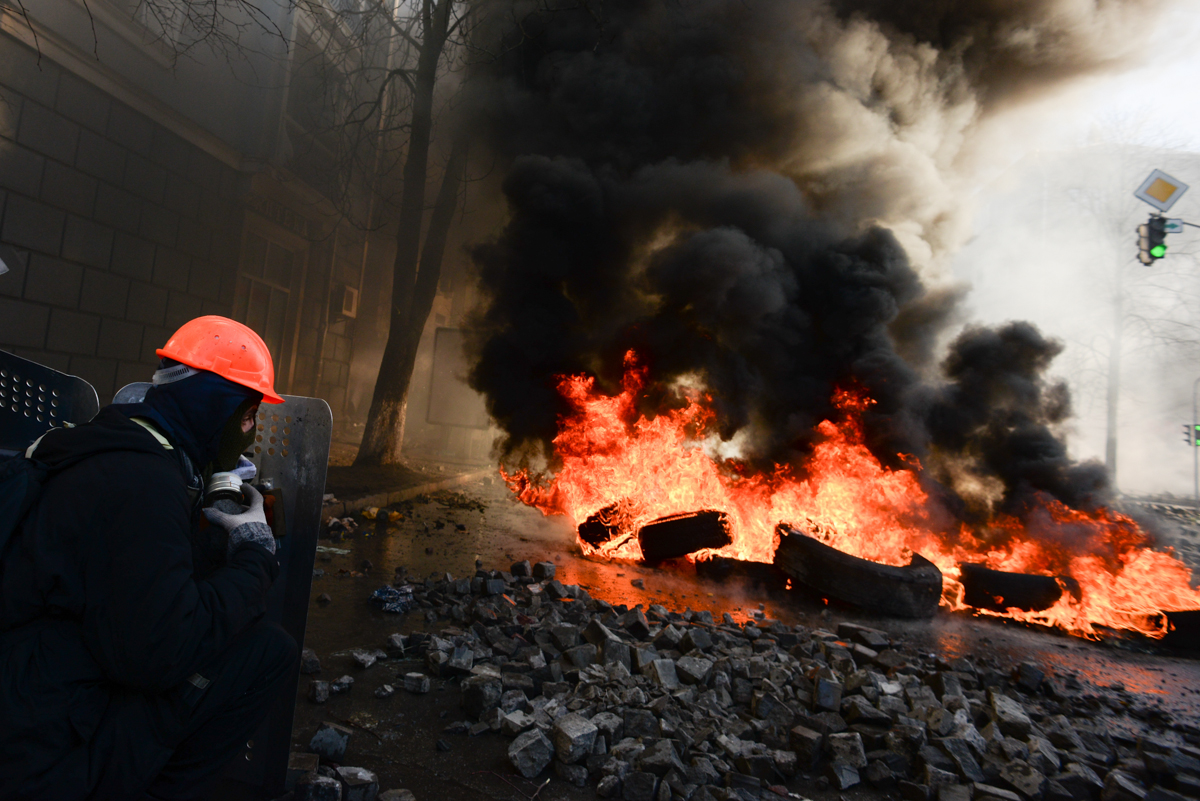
{"x":1195,"y":447}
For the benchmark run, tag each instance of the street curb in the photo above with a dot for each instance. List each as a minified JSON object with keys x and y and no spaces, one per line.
{"x":382,"y":499}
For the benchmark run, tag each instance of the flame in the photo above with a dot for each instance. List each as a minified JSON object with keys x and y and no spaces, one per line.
{"x":631,"y":470}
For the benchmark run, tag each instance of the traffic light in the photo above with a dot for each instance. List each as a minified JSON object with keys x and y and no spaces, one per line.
{"x":1152,"y":237}
{"x":1187,"y":433}
{"x":1158,"y":236}
{"x":1196,"y":435}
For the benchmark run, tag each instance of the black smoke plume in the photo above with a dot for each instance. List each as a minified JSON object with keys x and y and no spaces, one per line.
{"x":739,"y":191}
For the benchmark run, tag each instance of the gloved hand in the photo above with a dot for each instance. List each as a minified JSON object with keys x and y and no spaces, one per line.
{"x":244,"y":523}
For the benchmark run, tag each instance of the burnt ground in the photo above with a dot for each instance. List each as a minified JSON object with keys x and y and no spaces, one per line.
{"x":446,"y":533}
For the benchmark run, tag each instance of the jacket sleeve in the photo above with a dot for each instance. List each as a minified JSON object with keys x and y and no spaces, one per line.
{"x":148,"y":621}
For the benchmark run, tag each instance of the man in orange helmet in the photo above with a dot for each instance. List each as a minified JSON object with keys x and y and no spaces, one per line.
{"x":134,"y":662}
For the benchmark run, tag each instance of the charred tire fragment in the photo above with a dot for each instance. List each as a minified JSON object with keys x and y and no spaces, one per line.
{"x":911,"y":591}
{"x":1184,"y":633}
{"x":599,"y":528}
{"x":996,"y":590}
{"x":678,"y":535}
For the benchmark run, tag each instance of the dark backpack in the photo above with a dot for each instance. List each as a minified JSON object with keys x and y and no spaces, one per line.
{"x":22,"y":477}
{"x":21,"y":482}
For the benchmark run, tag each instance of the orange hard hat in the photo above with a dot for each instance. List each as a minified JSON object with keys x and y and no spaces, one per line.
{"x":227,"y":348}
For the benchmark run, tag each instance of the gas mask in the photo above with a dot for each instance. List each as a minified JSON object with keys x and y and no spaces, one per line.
{"x":222,"y":489}
{"x":233,"y":441}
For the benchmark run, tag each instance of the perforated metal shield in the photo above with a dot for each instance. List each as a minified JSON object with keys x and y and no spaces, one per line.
{"x":35,"y":399}
{"x":291,"y":452}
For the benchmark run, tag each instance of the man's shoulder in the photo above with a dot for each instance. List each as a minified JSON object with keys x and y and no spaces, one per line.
{"x":108,"y":433}
{"x":111,"y":450}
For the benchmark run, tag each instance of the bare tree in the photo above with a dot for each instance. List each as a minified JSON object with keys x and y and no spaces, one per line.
{"x":417,"y":266}
{"x":382,"y":81}
{"x":1151,"y":308}
{"x":431,"y":52}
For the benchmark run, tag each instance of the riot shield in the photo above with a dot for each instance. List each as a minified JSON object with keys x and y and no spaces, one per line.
{"x":35,"y":399}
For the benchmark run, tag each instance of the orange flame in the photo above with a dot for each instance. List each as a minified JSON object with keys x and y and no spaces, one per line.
{"x":633,"y":470}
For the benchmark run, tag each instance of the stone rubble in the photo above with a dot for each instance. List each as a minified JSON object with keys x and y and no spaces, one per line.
{"x":309,"y":663}
{"x":330,"y":741}
{"x":665,"y":706}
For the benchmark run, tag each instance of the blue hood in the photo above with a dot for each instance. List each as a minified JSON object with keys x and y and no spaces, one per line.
{"x":192,"y":412}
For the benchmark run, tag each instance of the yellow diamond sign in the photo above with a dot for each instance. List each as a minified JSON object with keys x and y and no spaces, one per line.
{"x":1160,"y":190}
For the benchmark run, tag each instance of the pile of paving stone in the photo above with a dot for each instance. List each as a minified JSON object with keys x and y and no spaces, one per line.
{"x":309,"y":780}
{"x":655,"y":705}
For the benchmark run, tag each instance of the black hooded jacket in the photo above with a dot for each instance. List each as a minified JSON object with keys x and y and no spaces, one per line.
{"x":100,"y":604}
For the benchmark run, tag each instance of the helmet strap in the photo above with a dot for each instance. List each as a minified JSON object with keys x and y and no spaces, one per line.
{"x":169,"y":375}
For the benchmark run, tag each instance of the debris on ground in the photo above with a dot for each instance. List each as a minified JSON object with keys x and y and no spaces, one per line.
{"x":649,"y":703}
{"x":456,"y":500}
{"x":310,"y":781}
{"x":394,"y":599}
{"x":337,"y":527}
{"x":329,"y":743}
{"x":309,"y":661}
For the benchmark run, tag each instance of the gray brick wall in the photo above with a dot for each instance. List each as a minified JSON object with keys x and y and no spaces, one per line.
{"x":125,"y":230}
{"x":47,"y":132}
{"x":53,"y":281}
{"x":83,"y":103}
{"x":87,"y":242}
{"x":21,"y":167}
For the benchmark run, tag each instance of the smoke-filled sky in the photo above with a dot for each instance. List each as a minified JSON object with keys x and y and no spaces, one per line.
{"x":1153,"y":87}
{"x":1038,"y":251}
{"x":765,"y":197}
{"x":1054,"y":243}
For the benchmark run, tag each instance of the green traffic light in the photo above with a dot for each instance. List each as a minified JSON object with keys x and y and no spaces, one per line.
{"x":1158,"y":251}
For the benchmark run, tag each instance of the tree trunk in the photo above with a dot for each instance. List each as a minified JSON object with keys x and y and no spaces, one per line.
{"x":381,"y":444}
{"x":416,"y":271}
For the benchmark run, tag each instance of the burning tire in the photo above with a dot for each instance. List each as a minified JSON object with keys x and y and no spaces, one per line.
{"x":996,"y":590}
{"x":1184,"y":633}
{"x":679,"y":535}
{"x":912,"y":591}
{"x":600,"y":527}
{"x":665,"y":538}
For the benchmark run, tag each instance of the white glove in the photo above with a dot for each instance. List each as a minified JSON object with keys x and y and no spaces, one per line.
{"x":244,"y":523}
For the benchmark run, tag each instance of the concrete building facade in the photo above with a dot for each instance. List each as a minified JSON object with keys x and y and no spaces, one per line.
{"x":138,"y":191}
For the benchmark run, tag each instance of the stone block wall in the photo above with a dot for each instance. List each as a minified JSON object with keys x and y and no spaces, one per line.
{"x":124,"y":230}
